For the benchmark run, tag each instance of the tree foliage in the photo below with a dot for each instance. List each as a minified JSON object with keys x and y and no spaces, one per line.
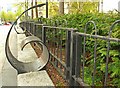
{"x":53,"y":9}
{"x":74,"y":7}
{"x":83,"y":7}
{"x":20,"y":8}
{"x":7,"y":16}
{"x":10,"y":16}
{"x":3,"y":15}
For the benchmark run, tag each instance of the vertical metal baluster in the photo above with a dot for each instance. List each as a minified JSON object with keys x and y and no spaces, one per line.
{"x":61,"y":49}
{"x":35,"y":29}
{"x":51,"y":31}
{"x":28,"y":23}
{"x":65,"y":24}
{"x":84,"y":53}
{"x":29,"y":26}
{"x":95,"y":54}
{"x":50,"y":35}
{"x":58,"y":44}
{"x":47,"y":38}
{"x":50,"y":43}
{"x":50,"y":40}
{"x":61,"y":45}
{"x":26,"y":26}
{"x":107,"y":60}
{"x":43,"y":34}
{"x":56,"y":34}
{"x":108,"y":48}
{"x":40,"y":31}
{"x":56,"y":38}
{"x":53,"y":44}
{"x":32,"y":27}
{"x":65,"y":52}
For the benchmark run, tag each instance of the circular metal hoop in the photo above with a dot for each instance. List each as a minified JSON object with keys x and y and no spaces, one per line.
{"x":37,"y":64}
{"x":16,"y":27}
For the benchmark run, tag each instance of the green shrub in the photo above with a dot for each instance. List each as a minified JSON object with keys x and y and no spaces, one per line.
{"x":103,"y":23}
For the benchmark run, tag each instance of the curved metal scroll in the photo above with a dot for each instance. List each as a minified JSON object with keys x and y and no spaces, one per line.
{"x":20,"y":66}
{"x":44,"y":55}
{"x":16,"y":27}
{"x":37,"y":64}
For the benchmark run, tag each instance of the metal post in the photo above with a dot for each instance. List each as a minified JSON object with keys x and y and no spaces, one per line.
{"x":78,"y":57}
{"x":35,"y":26}
{"x":72,"y":59}
{"x":68,"y":39}
{"x":43,"y":34}
{"x":30,"y":27}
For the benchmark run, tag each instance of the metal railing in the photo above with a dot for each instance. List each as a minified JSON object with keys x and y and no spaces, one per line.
{"x":71,"y":51}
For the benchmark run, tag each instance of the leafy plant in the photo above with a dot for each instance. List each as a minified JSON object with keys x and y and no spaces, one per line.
{"x":103,"y":23}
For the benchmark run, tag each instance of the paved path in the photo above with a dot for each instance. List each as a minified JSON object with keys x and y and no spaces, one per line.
{"x":3,"y":33}
{"x":7,"y":72}
{"x":8,"y":75}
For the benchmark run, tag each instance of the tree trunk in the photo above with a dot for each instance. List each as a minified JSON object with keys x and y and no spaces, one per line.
{"x":36,"y":9}
{"x":32,"y":14}
{"x":61,"y":6}
{"x":46,"y":8}
{"x":26,"y":7}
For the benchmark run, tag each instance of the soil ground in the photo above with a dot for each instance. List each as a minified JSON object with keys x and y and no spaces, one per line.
{"x":52,"y":72}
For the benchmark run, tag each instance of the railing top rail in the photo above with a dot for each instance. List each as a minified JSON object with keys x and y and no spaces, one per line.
{"x":38,"y":24}
{"x":71,"y":29}
{"x":98,"y":36}
{"x":28,"y":21}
